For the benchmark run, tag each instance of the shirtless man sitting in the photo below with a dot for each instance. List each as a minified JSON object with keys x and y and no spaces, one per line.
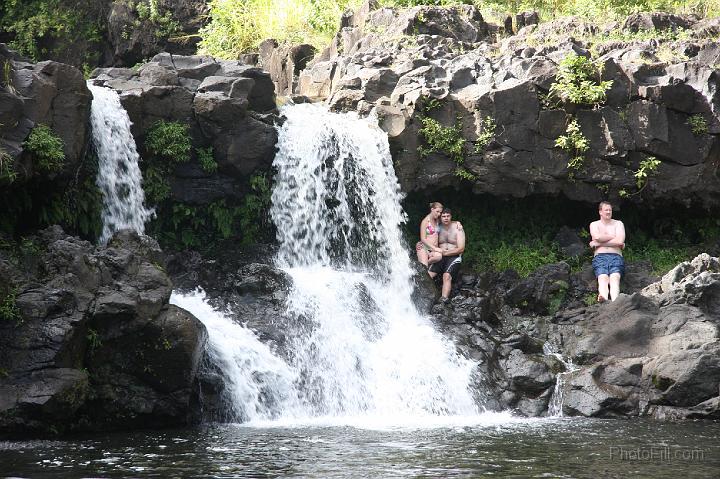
{"x":451,"y":238}
{"x":608,"y":241}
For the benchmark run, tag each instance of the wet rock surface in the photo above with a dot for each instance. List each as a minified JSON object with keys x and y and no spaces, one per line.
{"x":94,"y":344}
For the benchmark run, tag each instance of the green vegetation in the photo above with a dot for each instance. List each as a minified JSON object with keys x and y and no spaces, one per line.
{"x":575,"y":143}
{"x":604,"y":9}
{"x":442,"y":139}
{"x":447,"y":140}
{"x":207,"y":160}
{"x":578,"y":82}
{"x":149,"y":10}
{"x":42,"y":29}
{"x":698,"y":124}
{"x":74,"y":203}
{"x":170,"y":141}
{"x":7,"y":167}
{"x":168,"y":144}
{"x":647,"y":167}
{"x":487,"y":134}
{"x":238,"y":26}
{"x":94,"y":341}
{"x":47,"y":148}
{"x":8,"y":307}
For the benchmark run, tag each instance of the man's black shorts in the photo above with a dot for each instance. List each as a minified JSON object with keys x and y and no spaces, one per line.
{"x":449,"y":264}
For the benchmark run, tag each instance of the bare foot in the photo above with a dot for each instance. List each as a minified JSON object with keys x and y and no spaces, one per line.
{"x":601,"y":298}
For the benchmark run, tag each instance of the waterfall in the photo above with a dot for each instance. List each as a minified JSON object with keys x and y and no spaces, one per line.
{"x":358,"y":345}
{"x":259,"y":384}
{"x":119,"y":176}
{"x":558,"y":397}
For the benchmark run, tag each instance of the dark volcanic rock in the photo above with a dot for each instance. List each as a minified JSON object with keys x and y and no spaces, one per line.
{"x":400,"y":61}
{"x":97,"y":346}
{"x":227,"y":105}
{"x":46,"y":93}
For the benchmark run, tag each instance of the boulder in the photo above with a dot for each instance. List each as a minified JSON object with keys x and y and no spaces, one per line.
{"x":73,"y":360}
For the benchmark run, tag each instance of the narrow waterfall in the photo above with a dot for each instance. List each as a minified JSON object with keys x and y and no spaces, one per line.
{"x":119,"y":176}
{"x":359,"y":346}
{"x":555,"y":408}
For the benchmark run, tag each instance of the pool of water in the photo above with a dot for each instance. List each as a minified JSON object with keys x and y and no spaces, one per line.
{"x":497,"y":446}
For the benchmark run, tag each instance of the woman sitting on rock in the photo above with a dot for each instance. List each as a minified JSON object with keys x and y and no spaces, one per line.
{"x":427,"y":248}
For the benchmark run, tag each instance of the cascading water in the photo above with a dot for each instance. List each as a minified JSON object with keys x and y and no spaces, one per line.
{"x":555,"y":408}
{"x":359,"y":346}
{"x":357,"y":350}
{"x":119,"y":176}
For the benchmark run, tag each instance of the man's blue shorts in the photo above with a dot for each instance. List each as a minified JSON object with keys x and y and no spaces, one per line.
{"x":608,"y":263}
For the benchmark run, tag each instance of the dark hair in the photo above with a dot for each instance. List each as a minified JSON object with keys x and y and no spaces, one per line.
{"x":604,"y":202}
{"x":446,"y":210}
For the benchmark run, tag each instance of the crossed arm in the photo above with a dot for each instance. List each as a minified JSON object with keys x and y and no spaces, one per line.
{"x":616,"y":241}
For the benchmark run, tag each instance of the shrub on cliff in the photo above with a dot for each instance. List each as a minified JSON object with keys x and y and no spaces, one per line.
{"x":43,"y":29}
{"x":238,"y":26}
{"x":46,"y":148}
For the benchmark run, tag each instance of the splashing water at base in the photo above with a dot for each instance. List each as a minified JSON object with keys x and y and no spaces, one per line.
{"x":259,"y":383}
{"x":119,"y":176}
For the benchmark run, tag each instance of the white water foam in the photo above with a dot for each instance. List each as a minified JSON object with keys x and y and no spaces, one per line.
{"x":555,"y":408}
{"x":119,"y":176}
{"x":260,"y":384}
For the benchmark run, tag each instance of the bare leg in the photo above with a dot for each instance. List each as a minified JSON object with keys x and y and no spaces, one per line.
{"x":447,"y":285}
{"x":422,"y":255}
{"x":603,"y":292}
{"x":614,"y":286}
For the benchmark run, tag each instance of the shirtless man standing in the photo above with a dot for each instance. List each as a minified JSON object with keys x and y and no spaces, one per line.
{"x":608,"y":241}
{"x":452,"y":242}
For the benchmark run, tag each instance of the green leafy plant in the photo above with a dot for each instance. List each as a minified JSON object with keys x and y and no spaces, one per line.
{"x":47,"y":148}
{"x":206,"y":159}
{"x":487,"y":134}
{"x":253,"y":213}
{"x":442,"y":139}
{"x":169,"y":140}
{"x":698,"y":124}
{"x":647,"y":167}
{"x":429,"y":103}
{"x":463,"y":173}
{"x":578,"y":82}
{"x":575,"y":143}
{"x":44,"y":29}
{"x":238,"y":26}
{"x":7,"y":167}
{"x":93,"y":339}
{"x":8,"y":307}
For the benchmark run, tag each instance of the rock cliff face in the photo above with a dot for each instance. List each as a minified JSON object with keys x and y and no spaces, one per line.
{"x":46,"y":93}
{"x":226,"y":104}
{"x":490,"y":92}
{"x":92,"y":343}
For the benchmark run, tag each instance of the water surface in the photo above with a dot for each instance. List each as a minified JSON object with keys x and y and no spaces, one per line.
{"x":495,"y":447}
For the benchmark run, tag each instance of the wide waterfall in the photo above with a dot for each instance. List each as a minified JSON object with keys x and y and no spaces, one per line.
{"x":360,"y":347}
{"x":358,"y":351}
{"x":119,"y":176}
